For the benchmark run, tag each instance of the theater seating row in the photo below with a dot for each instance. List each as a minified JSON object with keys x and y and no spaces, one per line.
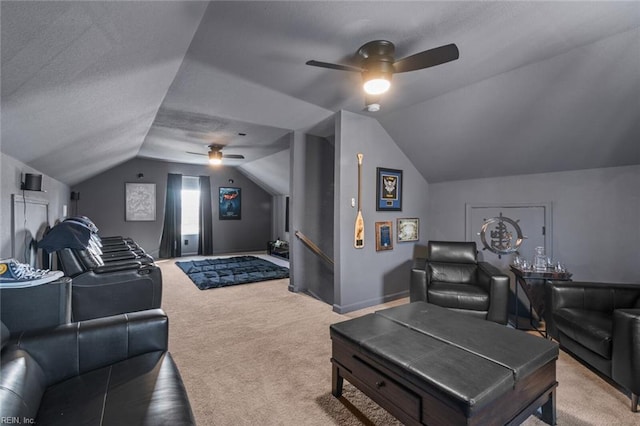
{"x":110,"y":365}
{"x":109,"y":276}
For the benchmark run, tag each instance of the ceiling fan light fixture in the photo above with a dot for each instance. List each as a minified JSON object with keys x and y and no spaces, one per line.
{"x":215,"y":158}
{"x":377,"y":82}
{"x":377,"y":86}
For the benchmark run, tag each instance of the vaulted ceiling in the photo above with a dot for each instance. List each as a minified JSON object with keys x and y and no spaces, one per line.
{"x":539,"y":86}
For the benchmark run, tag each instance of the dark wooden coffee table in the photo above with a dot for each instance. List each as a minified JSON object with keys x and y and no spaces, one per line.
{"x":428,"y":365}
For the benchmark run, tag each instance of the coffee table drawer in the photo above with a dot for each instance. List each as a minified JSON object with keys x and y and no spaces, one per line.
{"x":387,"y":388}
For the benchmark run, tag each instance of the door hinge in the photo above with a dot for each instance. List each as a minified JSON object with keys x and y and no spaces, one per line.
{"x":544,"y":230}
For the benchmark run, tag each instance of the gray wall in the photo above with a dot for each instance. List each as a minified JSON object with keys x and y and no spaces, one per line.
{"x":11,"y":171}
{"x":317,"y":221}
{"x":595,"y":215}
{"x":365,"y":277}
{"x":102,"y":199}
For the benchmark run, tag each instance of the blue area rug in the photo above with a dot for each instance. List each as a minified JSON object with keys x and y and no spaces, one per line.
{"x":214,"y":273}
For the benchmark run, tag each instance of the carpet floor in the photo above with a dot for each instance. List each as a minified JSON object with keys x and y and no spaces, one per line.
{"x":259,"y":354}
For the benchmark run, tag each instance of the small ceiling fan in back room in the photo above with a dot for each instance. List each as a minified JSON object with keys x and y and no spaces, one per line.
{"x":215,"y":155}
{"x":377,"y":65}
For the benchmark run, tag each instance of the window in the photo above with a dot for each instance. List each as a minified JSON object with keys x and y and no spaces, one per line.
{"x":190,"y":205}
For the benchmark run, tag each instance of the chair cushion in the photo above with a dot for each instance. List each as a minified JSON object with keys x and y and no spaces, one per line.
{"x":143,"y":390}
{"x":458,"y":295}
{"x":592,"y":329}
{"x":452,"y":251}
{"x":453,"y":272}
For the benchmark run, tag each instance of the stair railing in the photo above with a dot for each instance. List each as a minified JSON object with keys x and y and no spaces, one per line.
{"x":313,"y":247}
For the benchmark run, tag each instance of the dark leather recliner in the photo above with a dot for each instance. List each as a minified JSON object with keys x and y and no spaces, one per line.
{"x":101,"y":289}
{"x":110,"y":371}
{"x":452,"y":277}
{"x":600,"y":324}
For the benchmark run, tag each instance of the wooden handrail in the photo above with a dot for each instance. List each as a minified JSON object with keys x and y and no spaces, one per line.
{"x":314,"y":248}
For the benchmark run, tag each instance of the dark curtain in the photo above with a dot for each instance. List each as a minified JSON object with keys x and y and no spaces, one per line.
{"x":170,"y":243}
{"x":205,"y":239}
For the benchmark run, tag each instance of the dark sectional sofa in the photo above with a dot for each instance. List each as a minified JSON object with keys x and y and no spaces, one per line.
{"x":108,"y":371}
{"x":600,"y":324}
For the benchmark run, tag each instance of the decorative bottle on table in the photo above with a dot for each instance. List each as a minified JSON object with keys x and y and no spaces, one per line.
{"x":540,"y":260}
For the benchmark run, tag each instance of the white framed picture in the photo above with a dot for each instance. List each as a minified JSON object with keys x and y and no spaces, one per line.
{"x":408,"y":229}
{"x":140,"y":202}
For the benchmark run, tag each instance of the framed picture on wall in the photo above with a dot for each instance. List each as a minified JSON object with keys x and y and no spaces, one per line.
{"x":388,"y":189}
{"x":140,"y":201}
{"x":229,"y":203}
{"x":384,"y":236}
{"x":408,"y":229}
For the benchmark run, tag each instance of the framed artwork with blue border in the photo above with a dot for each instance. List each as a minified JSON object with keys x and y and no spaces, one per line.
{"x":388,"y":189}
{"x":229,"y":203}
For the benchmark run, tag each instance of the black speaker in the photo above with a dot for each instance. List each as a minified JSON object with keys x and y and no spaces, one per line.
{"x":75,"y":195}
{"x":32,"y":182}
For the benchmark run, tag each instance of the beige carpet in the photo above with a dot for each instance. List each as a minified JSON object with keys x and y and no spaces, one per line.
{"x":257,"y":354}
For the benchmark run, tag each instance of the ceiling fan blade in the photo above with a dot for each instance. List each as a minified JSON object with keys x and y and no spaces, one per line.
{"x":196,"y":153}
{"x":428,"y":58}
{"x":338,"y":67}
{"x":234,"y":156}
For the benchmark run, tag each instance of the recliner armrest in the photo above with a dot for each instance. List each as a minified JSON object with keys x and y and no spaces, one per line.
{"x":418,"y":281}
{"x":625,"y":366}
{"x":117,"y":266}
{"x":73,"y":349}
{"x":496,"y":283}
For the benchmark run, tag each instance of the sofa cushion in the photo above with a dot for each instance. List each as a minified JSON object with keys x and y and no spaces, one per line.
{"x":458,"y":296}
{"x":592,"y":329}
{"x":143,"y":390}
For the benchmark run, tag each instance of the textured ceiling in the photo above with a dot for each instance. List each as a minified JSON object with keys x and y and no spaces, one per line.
{"x":539,"y":86}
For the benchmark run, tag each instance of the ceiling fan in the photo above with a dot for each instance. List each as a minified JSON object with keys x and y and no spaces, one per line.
{"x":377,"y":63}
{"x":215,"y":155}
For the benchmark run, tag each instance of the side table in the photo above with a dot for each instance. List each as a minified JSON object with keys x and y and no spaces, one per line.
{"x":39,"y":306}
{"x":532,"y":282}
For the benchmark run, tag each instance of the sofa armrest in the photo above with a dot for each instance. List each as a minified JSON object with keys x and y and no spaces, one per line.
{"x":625,"y":364}
{"x":418,"y":281}
{"x":73,"y":349}
{"x":496,"y":283}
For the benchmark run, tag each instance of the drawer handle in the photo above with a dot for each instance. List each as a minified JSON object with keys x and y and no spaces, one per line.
{"x":380,"y":384}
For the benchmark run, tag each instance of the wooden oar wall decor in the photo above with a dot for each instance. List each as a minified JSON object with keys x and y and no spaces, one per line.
{"x":359,"y":228}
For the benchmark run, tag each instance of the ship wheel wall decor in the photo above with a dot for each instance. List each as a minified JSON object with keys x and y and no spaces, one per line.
{"x":501,"y":239}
